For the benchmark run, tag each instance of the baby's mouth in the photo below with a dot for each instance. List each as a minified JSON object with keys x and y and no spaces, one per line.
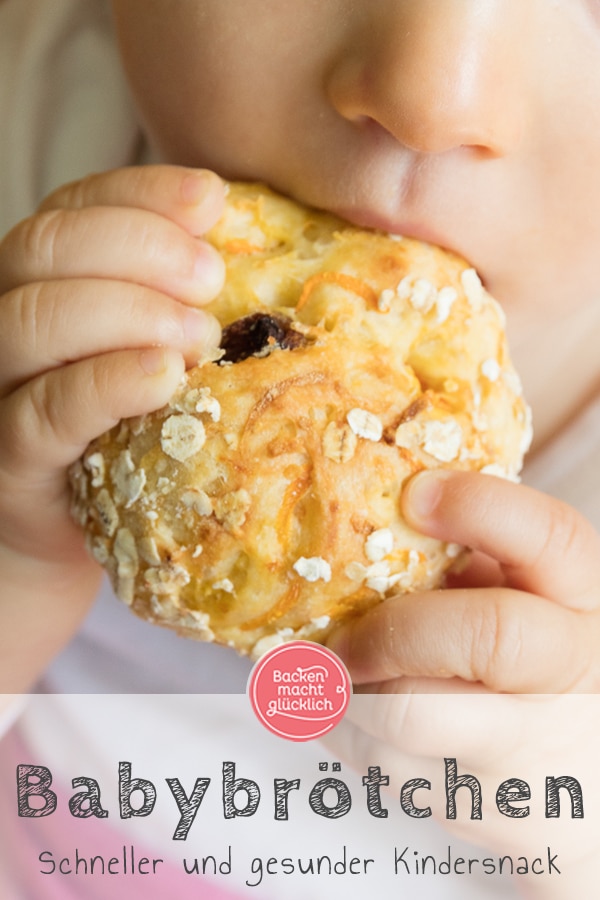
{"x":421,"y":231}
{"x":412,"y":229}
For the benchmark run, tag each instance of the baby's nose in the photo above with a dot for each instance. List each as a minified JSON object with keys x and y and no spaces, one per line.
{"x":438,"y":74}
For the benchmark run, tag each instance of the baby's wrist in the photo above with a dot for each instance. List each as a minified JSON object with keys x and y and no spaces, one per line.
{"x":42,"y":604}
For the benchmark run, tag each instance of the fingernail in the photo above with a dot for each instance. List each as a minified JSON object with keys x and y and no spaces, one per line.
{"x":209,"y":269}
{"x":194,"y":324}
{"x":201,"y":329}
{"x":153,"y":360}
{"x":196,"y":186}
{"x":212,"y":335}
{"x":424,"y":493}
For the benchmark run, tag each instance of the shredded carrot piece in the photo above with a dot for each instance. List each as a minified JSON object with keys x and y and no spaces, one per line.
{"x":293,"y":493}
{"x":278,"y":390}
{"x":241,"y":247}
{"x":361,"y":599}
{"x":358,"y":601}
{"x":349,"y":282}
{"x":277,"y":611}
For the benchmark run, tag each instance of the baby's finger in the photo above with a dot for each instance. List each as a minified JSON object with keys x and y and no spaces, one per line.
{"x":405,"y":779}
{"x":193,"y":198}
{"x":428,"y":717}
{"x":496,"y":743}
{"x":499,"y":637}
{"x":52,"y":323}
{"x":431,"y":722}
{"x":544,"y":546}
{"x":49,"y":421}
{"x":122,"y":244}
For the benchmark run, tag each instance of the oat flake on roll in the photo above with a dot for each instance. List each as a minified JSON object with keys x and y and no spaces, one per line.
{"x":262,"y":504}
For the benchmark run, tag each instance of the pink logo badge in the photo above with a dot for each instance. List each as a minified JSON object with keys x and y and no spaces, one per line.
{"x":299,"y":690}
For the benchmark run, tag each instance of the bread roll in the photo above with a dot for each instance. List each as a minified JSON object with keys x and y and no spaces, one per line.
{"x":262,"y":503}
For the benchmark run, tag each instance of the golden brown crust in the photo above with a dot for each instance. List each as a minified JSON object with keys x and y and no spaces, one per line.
{"x":262,"y":503}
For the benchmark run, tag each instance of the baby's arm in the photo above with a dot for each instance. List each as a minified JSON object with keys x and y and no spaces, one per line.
{"x":98,"y":319}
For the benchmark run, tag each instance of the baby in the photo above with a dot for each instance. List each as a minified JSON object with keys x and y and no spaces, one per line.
{"x":474,"y":124}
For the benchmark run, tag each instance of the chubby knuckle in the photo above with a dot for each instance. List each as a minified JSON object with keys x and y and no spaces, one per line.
{"x":107,"y":387}
{"x":561,"y":536}
{"x":385,"y":642}
{"x":153,"y":242}
{"x":75,"y":194}
{"x":21,"y":326}
{"x":358,"y":744}
{"x":29,"y":321}
{"x":497,"y":640}
{"x":43,"y":415}
{"x":56,"y":402}
{"x":409,"y":724}
{"x":23,"y":421}
{"x":143,"y":181}
{"x":101,"y":388}
{"x":41,"y":237}
{"x":391,"y":718}
{"x":12,"y":435}
{"x":168,"y":247}
{"x":166,"y":323}
{"x":61,"y":197}
{"x":80,"y":194}
{"x":44,"y":419}
{"x":135,"y":186}
{"x":364,"y":743}
{"x":408,"y":720}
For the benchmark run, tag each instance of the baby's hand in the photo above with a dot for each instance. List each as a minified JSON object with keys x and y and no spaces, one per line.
{"x":99,"y":297}
{"x":525,"y":617}
{"x":485,"y":671}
